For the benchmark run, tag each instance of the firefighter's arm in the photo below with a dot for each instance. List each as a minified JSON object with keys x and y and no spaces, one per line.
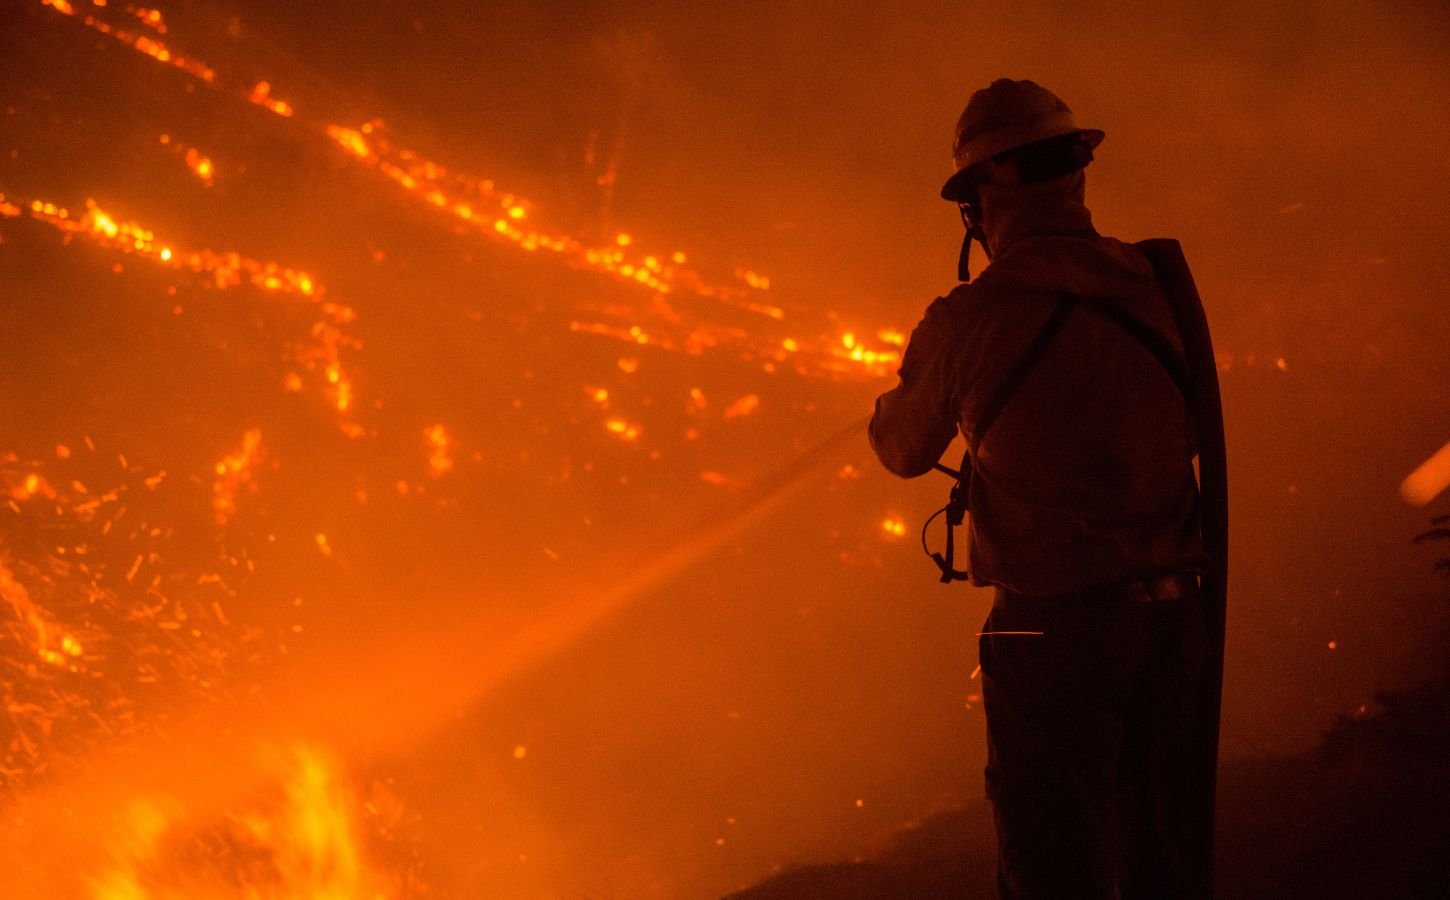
{"x":915,"y":421}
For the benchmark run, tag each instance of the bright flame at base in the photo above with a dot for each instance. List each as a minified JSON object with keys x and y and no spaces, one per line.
{"x":301,"y":843}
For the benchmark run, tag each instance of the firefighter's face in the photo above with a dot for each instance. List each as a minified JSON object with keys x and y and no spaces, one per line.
{"x":998,"y":179}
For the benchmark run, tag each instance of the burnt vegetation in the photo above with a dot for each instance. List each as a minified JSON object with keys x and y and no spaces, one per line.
{"x":1439,"y":531}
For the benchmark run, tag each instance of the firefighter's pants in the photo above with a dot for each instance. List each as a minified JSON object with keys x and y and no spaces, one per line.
{"x":1092,"y":727}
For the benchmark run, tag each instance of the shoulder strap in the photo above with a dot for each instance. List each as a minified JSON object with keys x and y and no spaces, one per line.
{"x":1024,"y":367}
{"x":960,"y":501}
{"x":1152,"y":341}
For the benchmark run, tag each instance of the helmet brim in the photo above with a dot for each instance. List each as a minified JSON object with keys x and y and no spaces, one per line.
{"x":958,"y":188}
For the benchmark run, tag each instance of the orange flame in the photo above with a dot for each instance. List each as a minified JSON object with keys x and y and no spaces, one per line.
{"x":305,"y":840}
{"x":744,"y":406}
{"x":233,"y":472}
{"x":226,"y":270}
{"x":48,"y":640}
{"x":440,"y":450}
{"x":262,"y":96}
{"x":622,"y":429}
{"x":140,"y":42}
{"x":200,"y":165}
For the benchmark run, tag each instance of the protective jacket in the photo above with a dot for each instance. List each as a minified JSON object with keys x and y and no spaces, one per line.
{"x":1085,"y":477}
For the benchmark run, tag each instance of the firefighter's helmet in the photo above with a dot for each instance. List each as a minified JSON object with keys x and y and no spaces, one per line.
{"x":1004,"y":116}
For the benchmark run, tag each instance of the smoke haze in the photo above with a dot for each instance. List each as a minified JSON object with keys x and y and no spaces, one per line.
{"x":803,"y":687}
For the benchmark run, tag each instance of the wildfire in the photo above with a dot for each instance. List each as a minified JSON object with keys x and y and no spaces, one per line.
{"x":48,"y":640}
{"x":114,"y":621}
{"x":233,"y":472}
{"x":322,"y":354}
{"x":224,"y":269}
{"x":101,"y":633}
{"x":855,"y":350}
{"x":479,"y":205}
{"x":140,"y":42}
{"x":305,"y":837}
{"x":492,"y":213}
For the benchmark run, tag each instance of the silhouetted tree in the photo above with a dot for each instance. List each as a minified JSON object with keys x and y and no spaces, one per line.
{"x":1439,"y":531}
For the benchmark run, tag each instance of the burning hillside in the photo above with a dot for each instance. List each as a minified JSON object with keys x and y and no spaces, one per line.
{"x":208,"y":445}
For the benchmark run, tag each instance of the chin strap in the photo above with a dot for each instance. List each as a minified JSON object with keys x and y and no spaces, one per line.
{"x":974,"y":233}
{"x":964,"y":260}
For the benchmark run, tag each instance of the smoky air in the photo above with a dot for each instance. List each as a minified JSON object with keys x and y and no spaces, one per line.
{"x":433,"y":448}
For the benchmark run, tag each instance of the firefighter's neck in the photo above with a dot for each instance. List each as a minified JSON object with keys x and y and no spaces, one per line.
{"x":1012,"y":211}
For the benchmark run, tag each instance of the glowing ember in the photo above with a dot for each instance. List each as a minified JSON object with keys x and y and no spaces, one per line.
{"x":322,"y":354}
{"x":262,"y":96}
{"x":200,"y":165}
{"x":440,"y":450}
{"x":48,"y":640}
{"x":743,"y":406}
{"x":104,"y":636}
{"x":625,"y":431}
{"x":150,"y":17}
{"x":892,"y":336}
{"x":496,"y":214}
{"x":140,"y":42}
{"x":233,"y":472}
{"x":754,"y":279}
{"x":29,"y":486}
